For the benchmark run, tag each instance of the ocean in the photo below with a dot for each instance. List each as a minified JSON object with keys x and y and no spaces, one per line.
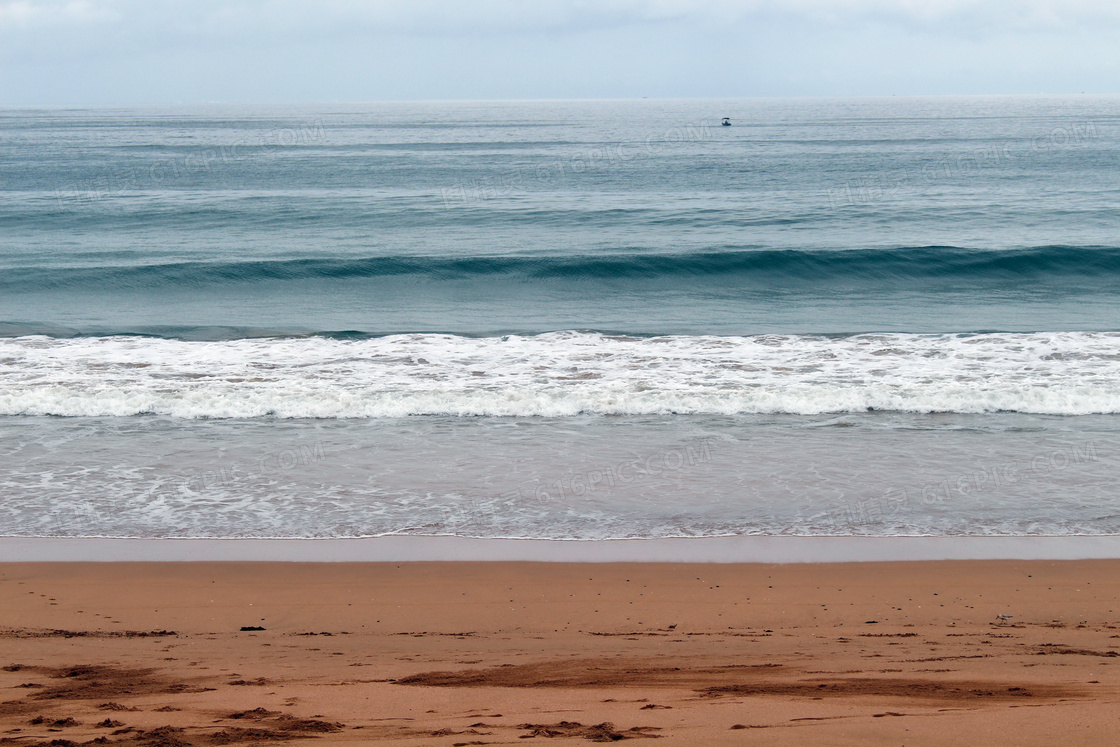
{"x":562,"y":319}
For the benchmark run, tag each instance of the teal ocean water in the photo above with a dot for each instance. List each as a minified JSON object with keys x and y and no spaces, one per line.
{"x":567,"y":320}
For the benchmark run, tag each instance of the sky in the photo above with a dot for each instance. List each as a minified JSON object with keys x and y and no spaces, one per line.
{"x":134,"y":52}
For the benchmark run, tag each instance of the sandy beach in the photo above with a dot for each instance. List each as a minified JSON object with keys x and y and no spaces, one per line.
{"x":994,"y":652}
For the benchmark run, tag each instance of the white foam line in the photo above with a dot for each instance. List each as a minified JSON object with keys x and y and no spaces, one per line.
{"x":753,"y":549}
{"x":561,"y":374}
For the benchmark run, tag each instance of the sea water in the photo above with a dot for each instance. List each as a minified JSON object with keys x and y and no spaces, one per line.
{"x":566,"y":320}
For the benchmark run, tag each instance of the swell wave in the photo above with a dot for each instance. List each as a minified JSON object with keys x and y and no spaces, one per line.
{"x":878,"y":265}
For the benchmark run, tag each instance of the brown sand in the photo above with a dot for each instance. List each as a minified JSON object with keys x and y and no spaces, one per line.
{"x":151,"y":654}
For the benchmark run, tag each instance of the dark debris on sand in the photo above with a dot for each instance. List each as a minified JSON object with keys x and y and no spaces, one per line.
{"x":57,"y":633}
{"x":97,"y":681}
{"x":604,"y":732}
{"x":256,"y":713}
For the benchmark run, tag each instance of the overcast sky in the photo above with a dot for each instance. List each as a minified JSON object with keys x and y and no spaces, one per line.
{"x":79,"y":52}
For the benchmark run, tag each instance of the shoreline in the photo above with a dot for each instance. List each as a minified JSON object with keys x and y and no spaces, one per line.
{"x":742,"y":549}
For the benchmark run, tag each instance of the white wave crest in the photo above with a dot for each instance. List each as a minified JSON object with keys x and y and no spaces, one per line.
{"x":560,"y":374}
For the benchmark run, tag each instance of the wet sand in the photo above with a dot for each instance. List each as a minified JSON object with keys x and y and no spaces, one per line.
{"x":400,"y":548}
{"x":468,"y":653}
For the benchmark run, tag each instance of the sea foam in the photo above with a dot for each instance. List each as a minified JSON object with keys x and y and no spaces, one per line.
{"x":561,"y":374}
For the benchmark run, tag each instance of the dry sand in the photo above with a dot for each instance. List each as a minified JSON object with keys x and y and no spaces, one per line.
{"x":150,"y":654}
